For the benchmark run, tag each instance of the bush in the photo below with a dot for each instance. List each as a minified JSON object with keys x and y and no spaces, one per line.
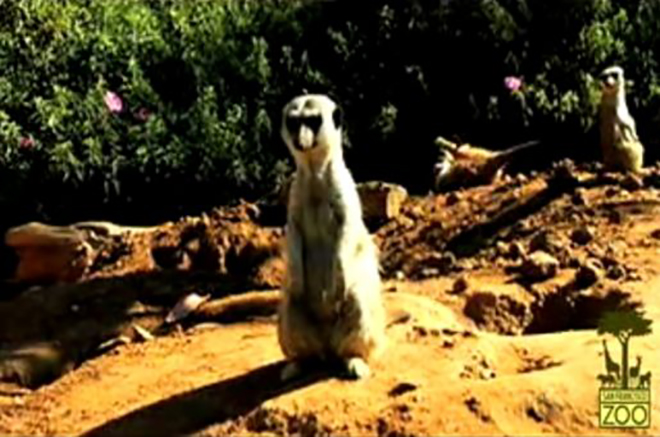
{"x":139,"y":110}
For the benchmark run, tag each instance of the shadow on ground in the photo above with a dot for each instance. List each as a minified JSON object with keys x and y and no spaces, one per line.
{"x":47,"y":331}
{"x":197,"y":409}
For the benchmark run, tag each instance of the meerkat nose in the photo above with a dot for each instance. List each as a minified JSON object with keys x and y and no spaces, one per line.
{"x":305,"y":138}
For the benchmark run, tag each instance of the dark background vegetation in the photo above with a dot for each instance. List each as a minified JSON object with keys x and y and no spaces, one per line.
{"x":203,"y":83}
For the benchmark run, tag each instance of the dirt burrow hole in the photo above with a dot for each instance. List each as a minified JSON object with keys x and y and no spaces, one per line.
{"x":562,"y":310}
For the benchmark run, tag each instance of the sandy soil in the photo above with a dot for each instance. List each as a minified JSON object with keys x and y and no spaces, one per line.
{"x":494,"y":354}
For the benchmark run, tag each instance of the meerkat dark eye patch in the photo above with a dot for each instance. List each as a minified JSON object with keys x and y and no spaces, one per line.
{"x":606,"y":76}
{"x":313,"y":122}
{"x":337,"y":117}
{"x":292,"y":123}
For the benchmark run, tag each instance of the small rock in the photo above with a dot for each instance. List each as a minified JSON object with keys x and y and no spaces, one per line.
{"x":416,"y":212}
{"x":612,"y":191}
{"x":502,"y":248}
{"x":429,"y":272}
{"x":421,"y":331}
{"x":448,"y":343}
{"x":443,"y":263}
{"x":401,"y":388}
{"x":452,"y":199}
{"x":616,"y":272}
{"x":582,"y":235}
{"x":487,"y":374}
{"x":516,"y":251}
{"x":460,"y":285}
{"x":609,"y":259}
{"x":546,"y":241}
{"x":579,"y":198}
{"x":539,"y":266}
{"x":574,"y":262}
{"x":475,"y":407}
{"x":656,"y":234}
{"x":382,"y":427}
{"x":466,"y":264}
{"x":588,"y":274}
{"x":564,"y":173}
{"x":632,"y":182}
{"x":193,"y":245}
{"x":206,"y":221}
{"x":615,"y":217}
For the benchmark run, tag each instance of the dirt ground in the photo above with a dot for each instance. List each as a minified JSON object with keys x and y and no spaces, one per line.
{"x":481,"y":343}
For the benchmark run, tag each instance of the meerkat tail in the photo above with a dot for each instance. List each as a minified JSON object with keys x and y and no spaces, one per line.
{"x":504,"y":155}
{"x":240,"y":307}
{"x":518,"y":147}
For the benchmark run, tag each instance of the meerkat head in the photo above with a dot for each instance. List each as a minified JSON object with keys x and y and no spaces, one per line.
{"x":312,"y":126}
{"x":612,"y":81}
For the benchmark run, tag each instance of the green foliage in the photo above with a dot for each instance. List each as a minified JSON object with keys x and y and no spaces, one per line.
{"x":194,"y":80}
{"x":202,"y":84}
{"x":623,"y":324}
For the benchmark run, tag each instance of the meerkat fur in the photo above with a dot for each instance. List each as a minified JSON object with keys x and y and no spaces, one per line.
{"x":620,"y":145}
{"x":331,"y":306}
{"x":466,"y":165}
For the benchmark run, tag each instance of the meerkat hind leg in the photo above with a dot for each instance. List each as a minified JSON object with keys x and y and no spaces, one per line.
{"x":295,"y":368}
{"x":357,"y":340}
{"x":299,"y":339}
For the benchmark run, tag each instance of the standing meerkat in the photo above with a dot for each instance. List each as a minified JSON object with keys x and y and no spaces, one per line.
{"x":331,"y":305}
{"x":621,"y":148}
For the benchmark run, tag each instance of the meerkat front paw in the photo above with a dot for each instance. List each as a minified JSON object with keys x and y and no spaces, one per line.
{"x":357,"y":368}
{"x":290,"y":371}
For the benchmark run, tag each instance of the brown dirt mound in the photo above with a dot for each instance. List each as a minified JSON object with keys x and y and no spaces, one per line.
{"x":487,"y":348}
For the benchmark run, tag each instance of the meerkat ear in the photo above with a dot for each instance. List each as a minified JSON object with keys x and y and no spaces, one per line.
{"x":338,"y":117}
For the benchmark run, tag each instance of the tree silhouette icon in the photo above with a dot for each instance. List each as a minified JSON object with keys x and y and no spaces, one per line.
{"x":623,"y":325}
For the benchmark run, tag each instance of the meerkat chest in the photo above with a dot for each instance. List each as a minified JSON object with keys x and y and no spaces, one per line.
{"x":322,"y":217}
{"x":608,"y":124}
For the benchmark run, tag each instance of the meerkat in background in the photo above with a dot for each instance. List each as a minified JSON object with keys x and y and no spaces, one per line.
{"x":621,"y":148}
{"x":466,"y":165}
{"x":331,"y":306}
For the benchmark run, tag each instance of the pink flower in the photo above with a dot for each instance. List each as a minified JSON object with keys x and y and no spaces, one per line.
{"x":26,"y":143}
{"x":113,"y":102}
{"x":143,"y":114}
{"x":512,"y":83}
